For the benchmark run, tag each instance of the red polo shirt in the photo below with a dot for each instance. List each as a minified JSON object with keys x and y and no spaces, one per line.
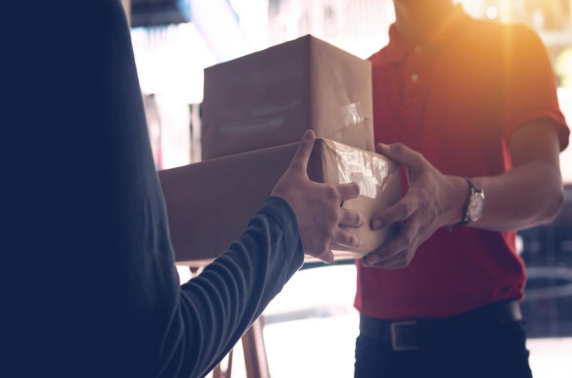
{"x":457,"y":97}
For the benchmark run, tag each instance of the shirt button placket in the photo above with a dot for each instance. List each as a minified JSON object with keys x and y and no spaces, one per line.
{"x":415,"y":86}
{"x":415,"y":76}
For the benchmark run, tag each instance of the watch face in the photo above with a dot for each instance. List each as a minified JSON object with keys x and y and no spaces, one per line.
{"x":476,"y":207}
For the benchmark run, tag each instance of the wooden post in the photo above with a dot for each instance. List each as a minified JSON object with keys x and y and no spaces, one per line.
{"x":255,"y":351}
{"x":127,"y":6}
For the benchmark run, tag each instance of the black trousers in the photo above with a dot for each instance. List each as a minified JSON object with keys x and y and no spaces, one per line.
{"x":478,"y":351}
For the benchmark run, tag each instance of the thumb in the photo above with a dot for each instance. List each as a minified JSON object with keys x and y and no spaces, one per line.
{"x":302,"y":157}
{"x":401,"y":154}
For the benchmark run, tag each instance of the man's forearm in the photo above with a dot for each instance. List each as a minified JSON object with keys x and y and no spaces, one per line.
{"x":216,"y":308}
{"x":526,"y":196}
{"x":529,"y":194}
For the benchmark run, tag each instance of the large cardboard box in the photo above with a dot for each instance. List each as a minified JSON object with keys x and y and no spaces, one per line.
{"x":210,"y":203}
{"x":270,"y":98}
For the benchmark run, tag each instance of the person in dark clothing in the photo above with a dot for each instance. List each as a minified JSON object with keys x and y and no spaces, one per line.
{"x":90,"y":288}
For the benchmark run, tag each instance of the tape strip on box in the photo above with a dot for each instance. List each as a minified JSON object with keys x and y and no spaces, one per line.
{"x":369,"y":171}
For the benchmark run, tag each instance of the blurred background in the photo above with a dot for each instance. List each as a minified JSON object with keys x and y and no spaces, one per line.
{"x":311,"y":326}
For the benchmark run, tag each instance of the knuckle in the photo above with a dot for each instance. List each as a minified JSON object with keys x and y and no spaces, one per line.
{"x":356,"y":189}
{"x":407,"y":240}
{"x":419,"y":160}
{"x":329,"y":234}
{"x":331,"y":192}
{"x":338,"y":215}
{"x":398,"y":148}
{"x":403,"y":209}
{"x":324,"y":251}
{"x":432,"y":218}
{"x":328,"y":222}
{"x":421,"y":192}
{"x":334,"y":219}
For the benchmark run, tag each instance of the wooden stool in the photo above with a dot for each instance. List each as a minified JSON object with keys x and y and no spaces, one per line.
{"x":255,"y":359}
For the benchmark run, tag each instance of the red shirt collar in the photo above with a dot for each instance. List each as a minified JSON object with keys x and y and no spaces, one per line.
{"x":399,"y":46}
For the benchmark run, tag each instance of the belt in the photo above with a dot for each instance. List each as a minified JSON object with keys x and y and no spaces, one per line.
{"x":405,"y":335}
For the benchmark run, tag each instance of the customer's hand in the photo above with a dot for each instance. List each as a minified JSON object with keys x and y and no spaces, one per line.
{"x":433,"y":200}
{"x":317,"y":206}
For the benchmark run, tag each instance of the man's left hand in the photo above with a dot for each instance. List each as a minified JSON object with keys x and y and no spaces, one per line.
{"x":433,"y":200}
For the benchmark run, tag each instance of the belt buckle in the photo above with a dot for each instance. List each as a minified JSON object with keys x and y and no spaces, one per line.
{"x":400,"y":327}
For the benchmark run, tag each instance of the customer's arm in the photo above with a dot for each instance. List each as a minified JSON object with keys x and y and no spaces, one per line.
{"x":210,"y":313}
{"x":214,"y":309}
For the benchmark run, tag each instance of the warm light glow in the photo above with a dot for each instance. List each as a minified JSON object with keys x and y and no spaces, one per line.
{"x":492,"y":12}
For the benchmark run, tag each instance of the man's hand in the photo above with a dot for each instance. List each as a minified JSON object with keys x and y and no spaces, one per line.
{"x":317,"y":206}
{"x":433,"y":200}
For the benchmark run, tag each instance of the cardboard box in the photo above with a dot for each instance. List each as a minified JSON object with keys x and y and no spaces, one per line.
{"x":270,"y":98}
{"x":210,"y":203}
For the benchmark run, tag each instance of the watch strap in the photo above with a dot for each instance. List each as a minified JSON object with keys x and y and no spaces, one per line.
{"x":473,"y":188}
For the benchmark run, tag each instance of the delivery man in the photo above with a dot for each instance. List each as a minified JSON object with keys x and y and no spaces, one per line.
{"x":469,"y":109}
{"x":89,"y":286}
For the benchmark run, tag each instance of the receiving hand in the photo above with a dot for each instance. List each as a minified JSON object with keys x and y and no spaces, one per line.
{"x":317,"y":206}
{"x":433,"y":200}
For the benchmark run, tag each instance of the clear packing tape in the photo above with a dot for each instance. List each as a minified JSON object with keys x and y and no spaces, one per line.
{"x":372,"y":173}
{"x":353,"y":114}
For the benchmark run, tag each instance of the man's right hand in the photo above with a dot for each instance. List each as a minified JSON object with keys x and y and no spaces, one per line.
{"x":318,"y":206}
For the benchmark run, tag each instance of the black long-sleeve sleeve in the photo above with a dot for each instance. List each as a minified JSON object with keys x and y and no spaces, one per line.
{"x":232,"y":292}
{"x":89,"y":288}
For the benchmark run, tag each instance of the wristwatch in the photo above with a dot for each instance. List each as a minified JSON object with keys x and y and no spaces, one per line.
{"x":475,"y":204}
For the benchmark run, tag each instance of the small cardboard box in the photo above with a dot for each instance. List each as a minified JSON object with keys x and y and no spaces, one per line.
{"x":270,"y":98}
{"x":210,"y":203}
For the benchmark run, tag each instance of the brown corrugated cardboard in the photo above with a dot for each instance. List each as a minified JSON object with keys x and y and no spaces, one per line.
{"x":210,"y":203}
{"x":270,"y":98}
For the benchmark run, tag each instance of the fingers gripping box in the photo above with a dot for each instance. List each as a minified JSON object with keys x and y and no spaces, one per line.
{"x":210,"y":203}
{"x":270,"y":98}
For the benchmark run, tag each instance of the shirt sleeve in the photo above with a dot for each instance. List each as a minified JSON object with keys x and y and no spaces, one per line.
{"x":172,"y":331}
{"x":216,"y":308}
{"x":528,"y":84}
{"x":92,"y":289}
